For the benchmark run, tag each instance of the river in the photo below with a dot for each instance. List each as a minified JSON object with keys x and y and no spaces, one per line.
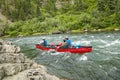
{"x":103,"y":63}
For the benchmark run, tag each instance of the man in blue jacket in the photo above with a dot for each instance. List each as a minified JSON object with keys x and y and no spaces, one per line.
{"x":67,"y":43}
{"x":44,"y":43}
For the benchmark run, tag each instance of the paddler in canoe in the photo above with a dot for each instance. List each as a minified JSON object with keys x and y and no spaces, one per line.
{"x":67,"y":43}
{"x":44,"y":42}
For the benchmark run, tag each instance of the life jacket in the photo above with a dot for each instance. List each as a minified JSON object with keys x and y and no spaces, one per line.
{"x":69,"y":43}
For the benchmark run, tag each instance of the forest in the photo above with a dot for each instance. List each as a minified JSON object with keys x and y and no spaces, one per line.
{"x":34,"y":17}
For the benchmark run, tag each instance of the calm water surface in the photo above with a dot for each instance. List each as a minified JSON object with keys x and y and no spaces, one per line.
{"x":101,"y":64}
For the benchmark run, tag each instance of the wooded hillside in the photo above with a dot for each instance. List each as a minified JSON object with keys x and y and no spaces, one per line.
{"x":43,"y":16}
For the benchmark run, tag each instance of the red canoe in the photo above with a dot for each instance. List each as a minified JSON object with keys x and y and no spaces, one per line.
{"x":81,"y":50}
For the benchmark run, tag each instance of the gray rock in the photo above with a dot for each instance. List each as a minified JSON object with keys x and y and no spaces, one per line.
{"x":10,"y":49}
{"x":2,"y":74}
{"x":15,"y":66}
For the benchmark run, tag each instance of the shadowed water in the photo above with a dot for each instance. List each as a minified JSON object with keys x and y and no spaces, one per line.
{"x":101,"y":64}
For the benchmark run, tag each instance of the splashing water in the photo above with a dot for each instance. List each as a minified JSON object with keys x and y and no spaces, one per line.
{"x":102,"y":64}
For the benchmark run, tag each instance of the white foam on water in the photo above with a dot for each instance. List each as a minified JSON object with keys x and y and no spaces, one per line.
{"x":17,"y":40}
{"x":115,"y":53}
{"x":82,"y":58}
{"x":103,"y":41}
{"x":92,"y":36}
{"x":55,"y":53}
{"x":115,"y":68}
{"x":66,"y":57}
{"x":100,"y":66}
{"x":60,"y":36}
{"x":109,"y":44}
{"x":43,"y":53}
{"x":85,"y":43}
{"x":112,"y":43}
{"x":56,"y":61}
{"x":108,"y":36}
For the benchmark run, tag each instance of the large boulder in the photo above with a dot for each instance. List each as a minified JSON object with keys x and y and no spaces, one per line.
{"x":15,"y":66}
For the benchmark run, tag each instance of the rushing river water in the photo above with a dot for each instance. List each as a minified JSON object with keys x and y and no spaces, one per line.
{"x":103,"y":63}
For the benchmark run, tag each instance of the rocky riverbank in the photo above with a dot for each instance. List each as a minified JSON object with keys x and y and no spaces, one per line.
{"x":15,"y":66}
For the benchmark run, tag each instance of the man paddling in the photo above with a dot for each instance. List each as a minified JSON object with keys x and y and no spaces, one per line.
{"x":67,"y":43}
{"x":44,"y":43}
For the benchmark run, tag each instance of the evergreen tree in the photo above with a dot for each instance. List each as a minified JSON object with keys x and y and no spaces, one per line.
{"x":118,"y":12}
{"x":50,"y":6}
{"x":79,"y":5}
{"x":101,"y":5}
{"x":21,"y":14}
{"x":38,"y":11}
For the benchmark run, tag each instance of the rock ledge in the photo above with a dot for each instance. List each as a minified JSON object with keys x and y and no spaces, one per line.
{"x":15,"y":66}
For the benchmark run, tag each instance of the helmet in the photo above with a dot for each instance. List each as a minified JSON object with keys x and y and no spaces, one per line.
{"x":43,"y":38}
{"x":66,"y":37}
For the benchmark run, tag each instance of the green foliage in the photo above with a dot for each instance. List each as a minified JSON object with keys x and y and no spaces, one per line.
{"x":43,"y":16}
{"x":50,"y":7}
{"x":80,"y":5}
{"x":117,"y":13}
